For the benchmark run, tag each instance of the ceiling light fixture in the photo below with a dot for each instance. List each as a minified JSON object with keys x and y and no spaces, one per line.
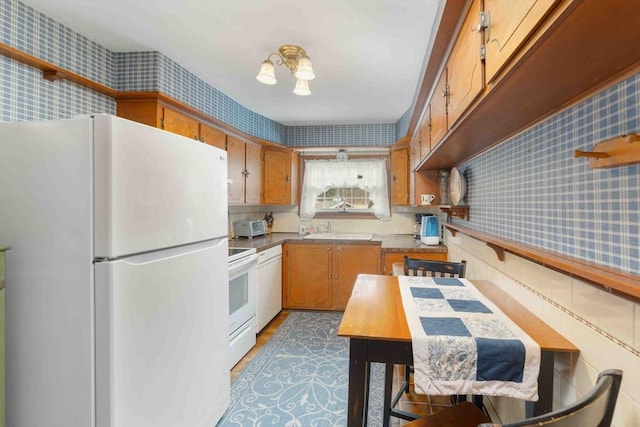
{"x":296,"y":60}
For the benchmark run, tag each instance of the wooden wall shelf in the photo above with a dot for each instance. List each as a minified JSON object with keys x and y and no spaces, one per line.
{"x":461,"y":211}
{"x":619,"y":151}
{"x":609,"y":278}
{"x":53,"y":72}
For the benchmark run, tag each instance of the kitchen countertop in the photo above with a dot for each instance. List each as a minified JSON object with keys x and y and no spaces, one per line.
{"x":388,"y":242}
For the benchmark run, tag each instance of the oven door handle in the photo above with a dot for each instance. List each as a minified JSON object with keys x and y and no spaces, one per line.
{"x":243,"y":262}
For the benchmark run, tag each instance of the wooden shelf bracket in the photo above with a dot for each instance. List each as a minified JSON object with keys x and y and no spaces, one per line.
{"x":619,"y":151}
{"x":461,"y":211}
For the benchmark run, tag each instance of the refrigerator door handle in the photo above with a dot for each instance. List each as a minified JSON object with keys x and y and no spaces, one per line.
{"x":153,"y":256}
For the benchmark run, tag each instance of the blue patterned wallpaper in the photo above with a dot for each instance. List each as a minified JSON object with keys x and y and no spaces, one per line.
{"x":34,"y":33}
{"x":24,"y":94}
{"x":402,"y":125}
{"x":336,"y":135}
{"x":531,"y":188}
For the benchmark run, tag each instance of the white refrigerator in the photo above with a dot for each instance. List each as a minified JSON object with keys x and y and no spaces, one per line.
{"x":117,"y":293}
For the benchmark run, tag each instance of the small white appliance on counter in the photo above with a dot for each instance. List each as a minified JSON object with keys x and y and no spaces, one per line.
{"x":117,"y":311}
{"x":429,"y":231}
{"x":250,"y":228}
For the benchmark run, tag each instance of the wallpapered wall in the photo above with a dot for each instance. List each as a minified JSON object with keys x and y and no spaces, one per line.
{"x":34,"y":33}
{"x":531,"y":188}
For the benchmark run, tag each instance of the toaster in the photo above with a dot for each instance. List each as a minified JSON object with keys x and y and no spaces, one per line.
{"x":250,"y":228}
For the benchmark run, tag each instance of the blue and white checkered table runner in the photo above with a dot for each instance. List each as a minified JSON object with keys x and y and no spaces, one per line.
{"x":464,"y":344}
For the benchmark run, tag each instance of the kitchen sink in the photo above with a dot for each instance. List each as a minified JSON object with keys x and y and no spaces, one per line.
{"x":339,"y":236}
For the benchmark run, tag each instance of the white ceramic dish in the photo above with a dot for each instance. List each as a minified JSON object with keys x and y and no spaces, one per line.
{"x":457,"y":186}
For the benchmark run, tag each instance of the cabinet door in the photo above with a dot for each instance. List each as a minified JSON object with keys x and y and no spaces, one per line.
{"x":277,"y":176}
{"x":400,"y":176}
{"x":212,"y":136}
{"x":295,"y":177}
{"x":252,"y":178}
{"x":307,"y":278}
{"x":414,"y":153}
{"x":143,"y":111}
{"x":425,"y":133}
{"x":180,"y":123}
{"x":438,"y":106}
{"x":349,"y":261}
{"x":464,"y":78}
{"x":235,"y":165}
{"x":510,"y":23}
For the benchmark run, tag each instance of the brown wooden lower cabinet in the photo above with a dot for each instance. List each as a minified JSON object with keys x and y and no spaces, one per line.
{"x":391,"y":257}
{"x":321,"y":276}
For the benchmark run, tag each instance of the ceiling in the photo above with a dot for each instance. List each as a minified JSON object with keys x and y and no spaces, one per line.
{"x":367,"y":55}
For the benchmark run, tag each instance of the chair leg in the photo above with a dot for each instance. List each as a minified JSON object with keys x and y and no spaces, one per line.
{"x":407,"y":378}
{"x":478,"y":401}
{"x":404,"y":388}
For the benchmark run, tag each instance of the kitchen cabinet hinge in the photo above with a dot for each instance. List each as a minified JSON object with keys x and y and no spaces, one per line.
{"x":484,"y":23}
{"x":446,"y":94}
{"x":483,"y":52}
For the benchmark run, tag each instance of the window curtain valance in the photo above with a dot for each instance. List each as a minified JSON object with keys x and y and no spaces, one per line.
{"x":367,"y":174}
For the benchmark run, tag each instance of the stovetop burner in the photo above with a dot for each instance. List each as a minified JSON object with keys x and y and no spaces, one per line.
{"x":237,"y":253}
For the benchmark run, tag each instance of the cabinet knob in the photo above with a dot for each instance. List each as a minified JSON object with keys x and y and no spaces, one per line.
{"x":287,"y":178}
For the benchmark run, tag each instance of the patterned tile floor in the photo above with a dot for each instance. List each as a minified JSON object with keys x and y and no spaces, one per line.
{"x":411,"y":402}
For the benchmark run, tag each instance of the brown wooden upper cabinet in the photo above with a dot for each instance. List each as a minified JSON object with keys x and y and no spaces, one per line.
{"x":425,"y":133}
{"x":280,"y":176}
{"x":400,"y":176}
{"x":464,"y":77}
{"x":213,"y":136}
{"x":154,"y":113}
{"x":243,"y":162}
{"x":179,"y":123}
{"x":507,"y":24}
{"x":438,"y":110}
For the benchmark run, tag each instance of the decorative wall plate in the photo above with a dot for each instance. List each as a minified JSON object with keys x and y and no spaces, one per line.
{"x":457,"y":186}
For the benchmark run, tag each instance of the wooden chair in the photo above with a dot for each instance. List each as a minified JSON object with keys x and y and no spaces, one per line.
{"x":418,"y":267}
{"x":594,"y":410}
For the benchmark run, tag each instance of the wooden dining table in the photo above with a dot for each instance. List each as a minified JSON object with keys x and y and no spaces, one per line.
{"x":375,"y":323}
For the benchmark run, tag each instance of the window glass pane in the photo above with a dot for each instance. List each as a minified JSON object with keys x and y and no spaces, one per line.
{"x":344,"y":198}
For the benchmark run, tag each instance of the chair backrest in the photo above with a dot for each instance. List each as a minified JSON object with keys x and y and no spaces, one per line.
{"x":420,"y":267}
{"x":594,"y":410}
